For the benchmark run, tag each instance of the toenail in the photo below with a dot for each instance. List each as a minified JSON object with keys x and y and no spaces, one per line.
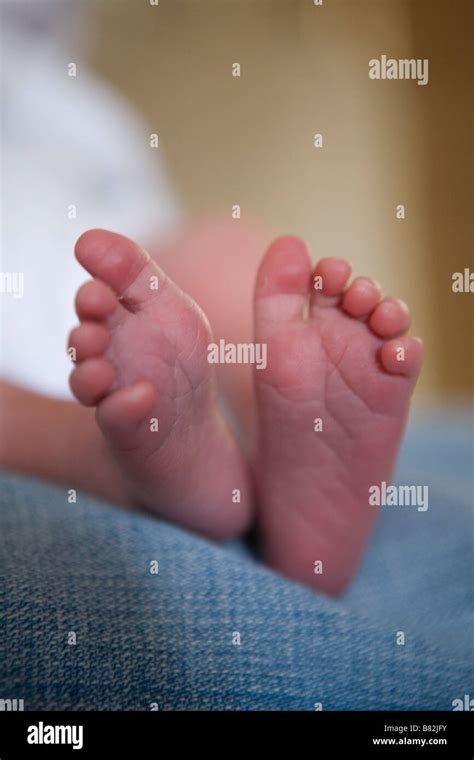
{"x":366,"y":283}
{"x":403,"y":305}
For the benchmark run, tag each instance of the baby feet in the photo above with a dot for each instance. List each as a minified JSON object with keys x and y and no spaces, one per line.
{"x":332,"y":401}
{"x":141,"y":354}
{"x":332,"y":405}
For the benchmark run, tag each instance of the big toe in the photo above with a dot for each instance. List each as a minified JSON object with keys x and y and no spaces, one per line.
{"x":283,"y":279}
{"x":123,"y":265}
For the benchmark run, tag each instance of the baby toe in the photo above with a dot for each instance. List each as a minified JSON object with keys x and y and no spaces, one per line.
{"x":95,"y":301}
{"x":390,"y":318}
{"x":402,"y":356}
{"x":329,"y":280}
{"x":120,"y":412}
{"x":91,"y":381}
{"x":361,"y":297}
{"x":88,"y":340}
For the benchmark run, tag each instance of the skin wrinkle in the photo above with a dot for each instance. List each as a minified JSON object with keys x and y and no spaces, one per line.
{"x":334,"y":416}
{"x":336,"y":367}
{"x":328,"y":367}
{"x":305,"y":517}
{"x":174,"y":367}
{"x":339,"y":475}
{"x":351,"y":390}
{"x":324,"y":441}
{"x":130,"y":306}
{"x":189,"y":359}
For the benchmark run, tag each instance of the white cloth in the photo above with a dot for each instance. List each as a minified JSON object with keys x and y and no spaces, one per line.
{"x":66,"y":141}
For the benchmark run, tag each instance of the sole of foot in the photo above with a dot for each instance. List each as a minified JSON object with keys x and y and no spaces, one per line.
{"x":332,"y":404}
{"x":141,"y":360}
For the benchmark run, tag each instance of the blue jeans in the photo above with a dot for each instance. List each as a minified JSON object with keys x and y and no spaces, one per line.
{"x":87,"y":624}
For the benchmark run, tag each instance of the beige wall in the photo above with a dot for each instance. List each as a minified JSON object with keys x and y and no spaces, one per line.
{"x":304,"y":70}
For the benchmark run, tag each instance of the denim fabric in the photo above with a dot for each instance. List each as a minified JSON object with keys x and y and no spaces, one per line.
{"x":168,"y":638}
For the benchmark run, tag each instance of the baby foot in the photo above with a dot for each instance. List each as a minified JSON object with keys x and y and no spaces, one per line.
{"x":141,"y":353}
{"x":332,"y":403}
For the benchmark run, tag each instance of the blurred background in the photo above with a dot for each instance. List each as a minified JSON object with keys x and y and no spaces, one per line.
{"x":304,"y":70}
